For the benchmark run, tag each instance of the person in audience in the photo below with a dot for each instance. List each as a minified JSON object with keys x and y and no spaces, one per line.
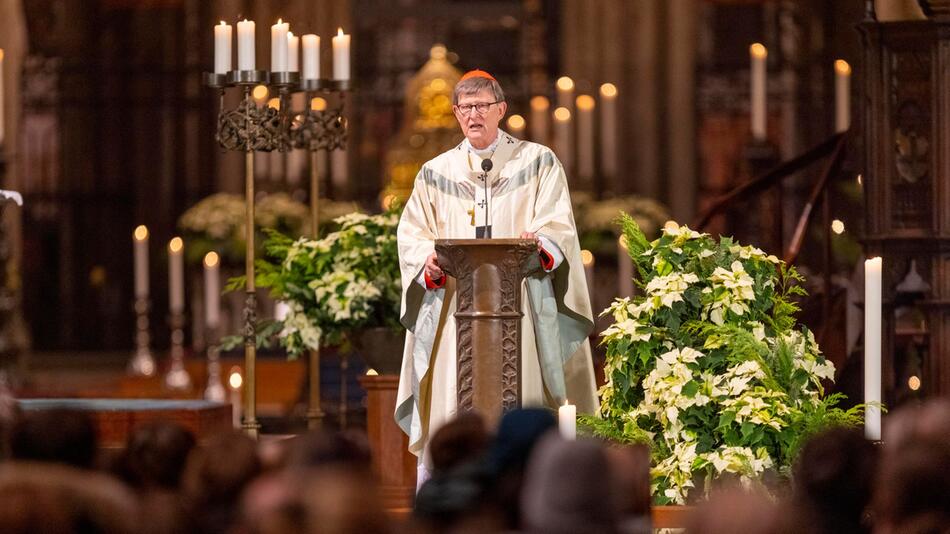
{"x":155,"y":455}
{"x":734,"y":510}
{"x":321,"y":447}
{"x":568,"y":489}
{"x":832,"y":482}
{"x":629,"y":469}
{"x":9,"y":413}
{"x":58,"y":435}
{"x":460,"y":441}
{"x":215,"y":476}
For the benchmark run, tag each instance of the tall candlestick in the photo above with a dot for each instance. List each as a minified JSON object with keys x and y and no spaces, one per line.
{"x":338,"y":169}
{"x":1,"y":97}
{"x":246,"y":59}
{"x":563,"y":145}
{"x":311,"y":56}
{"x":624,"y":269}
{"x":176,"y":275}
{"x":516,"y":126}
{"x":293,"y":52}
{"x":341,"y":55}
{"x":758,"y":55}
{"x":842,"y":96}
{"x":539,"y":119}
{"x":278,"y":46}
{"x":872,"y":348}
{"x":140,"y":247}
{"x":222,"y":48}
{"x":235,"y":383}
{"x":585,"y":139}
{"x":565,"y":92}
{"x":608,"y":130}
{"x":567,"y":421}
{"x":212,"y":290}
{"x":587,"y":258}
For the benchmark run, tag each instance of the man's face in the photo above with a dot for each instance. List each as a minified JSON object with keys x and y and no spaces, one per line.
{"x":480,"y":129}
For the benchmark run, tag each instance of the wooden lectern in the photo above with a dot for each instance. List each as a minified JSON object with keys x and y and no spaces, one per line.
{"x":488,"y":275}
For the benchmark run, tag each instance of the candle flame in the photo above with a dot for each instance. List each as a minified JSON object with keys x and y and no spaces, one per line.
{"x":516,"y":122}
{"x":260,"y":92}
{"x":758,"y":51}
{"x":587,"y":258}
{"x":318,"y":104}
{"x":584,"y":102}
{"x":339,"y":32}
{"x":608,"y":90}
{"x":913,"y":383}
{"x":622,"y":242}
{"x":290,"y":35}
{"x":223,"y":23}
{"x":540,"y":103}
{"x":176,"y":244}
{"x":566,"y":402}
{"x":211,"y":259}
{"x":562,"y":114}
{"x":280,"y":21}
{"x":371,"y":372}
{"x":565,"y":83}
{"x":141,"y":233}
{"x":842,"y":67}
{"x":837,"y":226}
{"x":235,"y":380}
{"x":245,"y":20}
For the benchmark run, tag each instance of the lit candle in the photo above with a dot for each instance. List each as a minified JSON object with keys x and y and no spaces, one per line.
{"x":278,"y":46}
{"x":562,"y":137}
{"x":140,"y":247}
{"x":212,"y":290}
{"x":235,"y":383}
{"x":246,"y":60}
{"x":758,"y":55}
{"x":608,"y":130}
{"x":567,"y":421}
{"x":311,"y":56}
{"x":341,"y":55}
{"x":565,"y":92}
{"x":842,"y":96}
{"x":516,"y":126}
{"x":872,"y":348}
{"x":176,"y":275}
{"x":293,"y":52}
{"x":624,"y":269}
{"x":585,"y":138}
{"x":587,"y":258}
{"x":539,"y":119}
{"x":222,"y":48}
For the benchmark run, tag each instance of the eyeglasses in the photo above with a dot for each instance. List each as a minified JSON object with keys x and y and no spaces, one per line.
{"x":480,"y":107}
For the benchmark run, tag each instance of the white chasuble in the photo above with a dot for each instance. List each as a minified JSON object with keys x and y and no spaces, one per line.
{"x":527,"y":191}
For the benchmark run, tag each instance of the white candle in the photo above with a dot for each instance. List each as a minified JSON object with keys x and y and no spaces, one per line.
{"x":341,"y":55}
{"x":608,"y":130}
{"x":563,"y":142}
{"x":516,"y":126}
{"x":872,"y":348}
{"x":842,"y":96}
{"x":235,"y":383}
{"x":293,"y":52}
{"x":222,"y":48}
{"x":539,"y":119}
{"x":176,"y":275}
{"x":565,"y":92}
{"x":212,"y":290}
{"x":246,"y":60}
{"x":311,"y":56}
{"x":140,"y":247}
{"x":278,"y":46}
{"x":567,"y":421}
{"x":1,"y":97}
{"x":585,"y":138}
{"x":587,"y":258}
{"x":624,"y":269}
{"x":757,"y":56}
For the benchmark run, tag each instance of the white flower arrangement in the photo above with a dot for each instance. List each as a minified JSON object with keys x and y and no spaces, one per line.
{"x":709,"y":365}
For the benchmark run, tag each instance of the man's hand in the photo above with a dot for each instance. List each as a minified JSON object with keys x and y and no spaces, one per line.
{"x":432,"y":267}
{"x":529,"y":235}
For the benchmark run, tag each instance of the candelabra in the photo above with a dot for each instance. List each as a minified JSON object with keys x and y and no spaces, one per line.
{"x":177,"y":378}
{"x":249,"y":128}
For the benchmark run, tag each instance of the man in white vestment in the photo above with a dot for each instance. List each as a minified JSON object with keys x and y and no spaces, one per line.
{"x":525,"y":196}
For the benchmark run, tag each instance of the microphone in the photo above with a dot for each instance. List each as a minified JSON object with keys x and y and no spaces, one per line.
{"x":486,"y":168}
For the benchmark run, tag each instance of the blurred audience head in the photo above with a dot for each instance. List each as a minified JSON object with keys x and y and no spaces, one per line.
{"x":567,"y":489}
{"x":155,"y":456}
{"x":215,"y":476}
{"x":461,"y":440}
{"x":833,"y":480}
{"x":322,"y":447}
{"x":57,"y":435}
{"x":735,"y":511}
{"x":629,"y":471}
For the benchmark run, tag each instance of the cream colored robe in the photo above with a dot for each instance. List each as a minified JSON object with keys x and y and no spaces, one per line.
{"x":528,"y":193}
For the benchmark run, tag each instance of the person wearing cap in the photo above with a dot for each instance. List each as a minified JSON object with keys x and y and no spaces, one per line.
{"x":491,"y":185}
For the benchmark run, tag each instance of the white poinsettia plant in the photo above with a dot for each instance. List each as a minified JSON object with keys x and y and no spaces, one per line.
{"x":335,"y":285}
{"x":709,"y":364}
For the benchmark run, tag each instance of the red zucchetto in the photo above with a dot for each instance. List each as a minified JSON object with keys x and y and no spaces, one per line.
{"x":477,"y":73}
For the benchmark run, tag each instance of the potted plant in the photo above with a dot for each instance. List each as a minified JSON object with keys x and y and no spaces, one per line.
{"x":710,"y":366}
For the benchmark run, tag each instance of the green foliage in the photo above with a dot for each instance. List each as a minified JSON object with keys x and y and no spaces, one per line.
{"x":709,"y":363}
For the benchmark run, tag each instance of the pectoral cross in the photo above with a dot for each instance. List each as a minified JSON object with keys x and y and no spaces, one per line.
{"x":472,"y":213}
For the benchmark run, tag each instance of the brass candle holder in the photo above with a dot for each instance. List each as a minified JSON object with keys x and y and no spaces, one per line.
{"x":142,"y":362}
{"x":177,"y":378}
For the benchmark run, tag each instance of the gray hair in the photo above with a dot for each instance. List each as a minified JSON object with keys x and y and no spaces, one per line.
{"x":476,"y":85}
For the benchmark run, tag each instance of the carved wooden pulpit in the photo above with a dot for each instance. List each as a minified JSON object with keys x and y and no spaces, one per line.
{"x":488,"y":275}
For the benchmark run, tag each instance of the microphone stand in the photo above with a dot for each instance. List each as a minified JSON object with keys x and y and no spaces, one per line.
{"x":486,"y":168}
